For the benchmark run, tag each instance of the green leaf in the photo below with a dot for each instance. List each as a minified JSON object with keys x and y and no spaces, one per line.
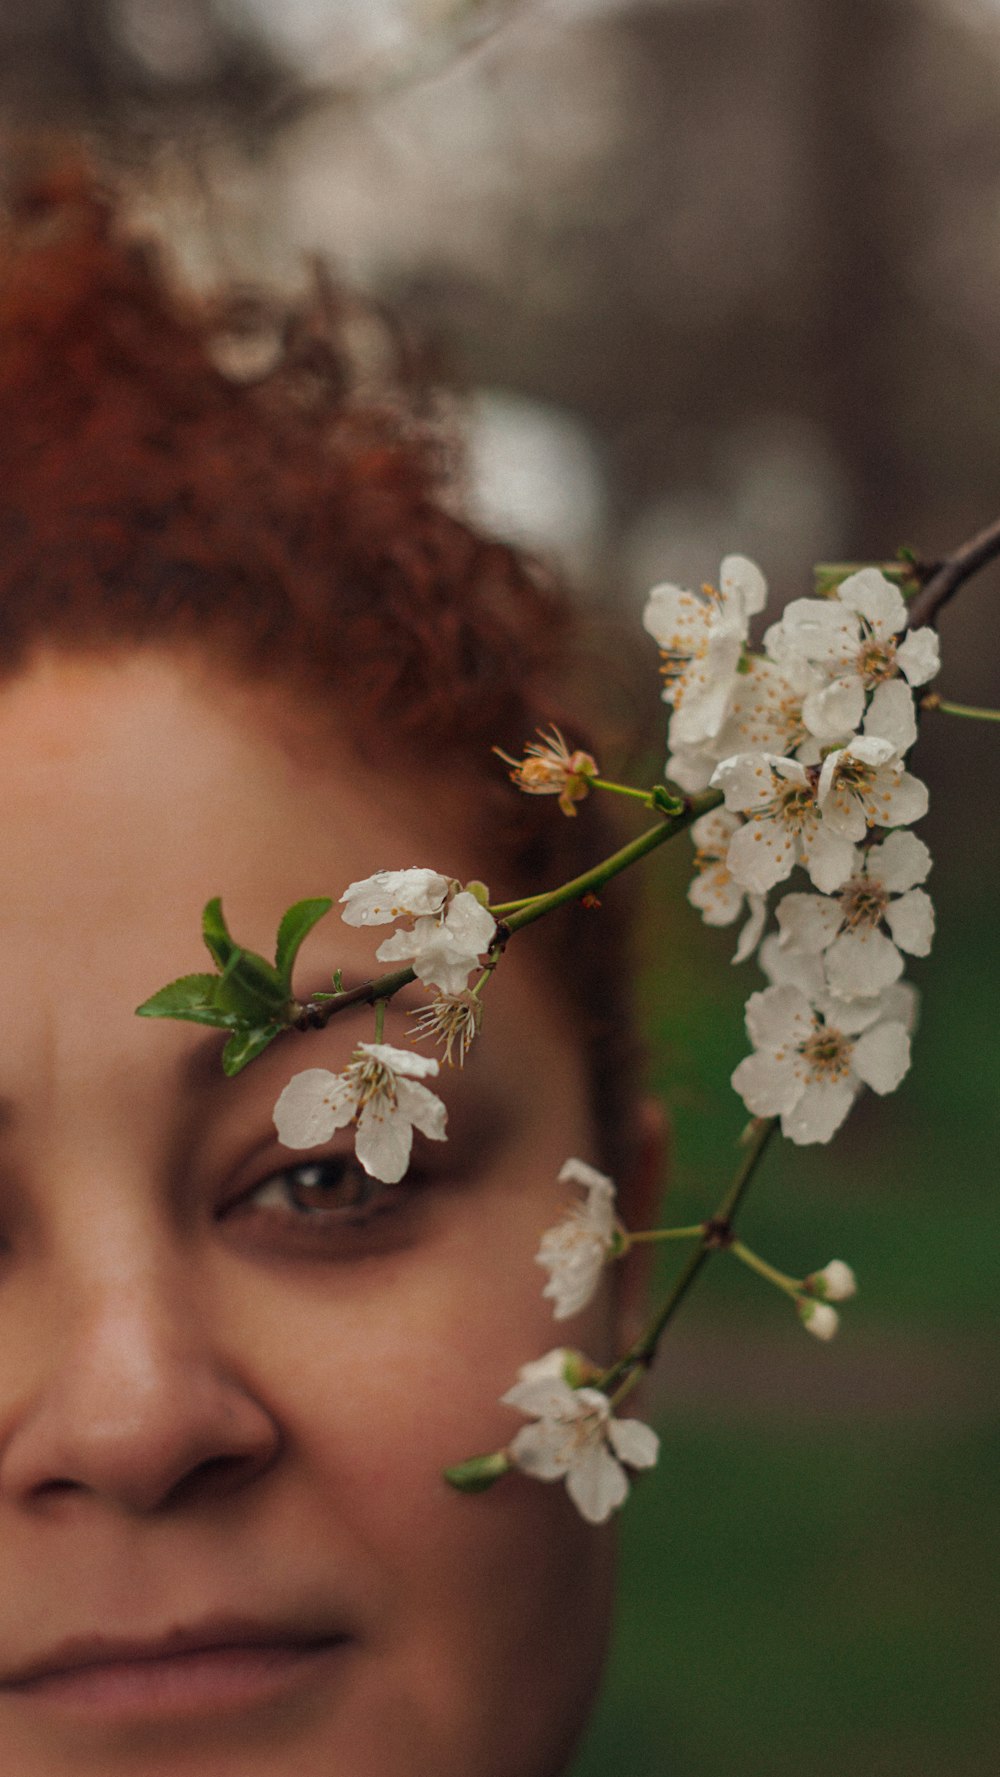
{"x":246,"y":1044}
{"x":296,"y":925}
{"x":192,"y":997}
{"x":216,"y":933}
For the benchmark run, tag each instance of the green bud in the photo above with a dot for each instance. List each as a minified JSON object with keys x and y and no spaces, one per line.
{"x":478,"y":1473}
{"x":480,"y":891}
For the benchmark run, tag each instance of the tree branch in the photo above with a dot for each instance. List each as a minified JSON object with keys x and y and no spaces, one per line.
{"x":950,"y":574}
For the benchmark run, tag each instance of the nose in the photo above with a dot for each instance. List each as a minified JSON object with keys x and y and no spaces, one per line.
{"x":132,"y":1403}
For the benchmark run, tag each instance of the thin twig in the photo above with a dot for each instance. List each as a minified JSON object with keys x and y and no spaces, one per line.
{"x":946,"y":579}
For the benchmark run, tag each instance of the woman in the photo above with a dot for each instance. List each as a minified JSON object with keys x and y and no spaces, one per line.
{"x":248,"y":652}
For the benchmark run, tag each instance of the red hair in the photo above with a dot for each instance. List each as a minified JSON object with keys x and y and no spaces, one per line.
{"x":145,"y":497}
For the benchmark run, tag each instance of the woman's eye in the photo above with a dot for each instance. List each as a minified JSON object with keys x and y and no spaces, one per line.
{"x":337,"y":1188}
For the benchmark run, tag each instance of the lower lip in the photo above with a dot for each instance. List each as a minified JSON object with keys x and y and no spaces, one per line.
{"x":202,"y":1682}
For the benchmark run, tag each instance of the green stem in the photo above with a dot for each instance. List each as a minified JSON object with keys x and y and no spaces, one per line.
{"x":603,"y":872}
{"x":603,"y":783}
{"x":379,"y":1019}
{"x":649,"y":1235}
{"x":962,"y":709}
{"x":640,"y":1355}
{"x":792,"y":1286}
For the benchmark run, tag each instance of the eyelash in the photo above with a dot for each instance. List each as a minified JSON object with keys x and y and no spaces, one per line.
{"x":334,"y":1176}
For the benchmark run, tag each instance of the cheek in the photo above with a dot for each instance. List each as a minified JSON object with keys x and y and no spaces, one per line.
{"x":498,"y":1603}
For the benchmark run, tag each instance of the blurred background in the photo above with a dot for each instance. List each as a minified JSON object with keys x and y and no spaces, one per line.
{"x":706,"y":275}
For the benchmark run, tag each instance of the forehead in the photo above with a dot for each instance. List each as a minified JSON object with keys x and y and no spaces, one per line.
{"x":134,"y":789}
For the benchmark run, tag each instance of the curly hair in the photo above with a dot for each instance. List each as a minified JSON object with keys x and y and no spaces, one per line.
{"x":146,"y":497}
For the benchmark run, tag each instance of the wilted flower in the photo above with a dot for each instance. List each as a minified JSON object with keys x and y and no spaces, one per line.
{"x":550,"y":769}
{"x":574,"y":1252}
{"x":451,"y":1019}
{"x":576,"y":1438}
{"x":378,"y":1091}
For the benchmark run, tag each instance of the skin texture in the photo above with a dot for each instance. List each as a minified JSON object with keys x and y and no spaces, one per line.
{"x":215,"y":1407}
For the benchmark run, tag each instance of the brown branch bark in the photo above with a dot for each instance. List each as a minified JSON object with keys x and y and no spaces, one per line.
{"x":952,"y":573}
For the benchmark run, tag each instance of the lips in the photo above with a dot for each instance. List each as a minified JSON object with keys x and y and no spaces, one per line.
{"x":225,"y":1663}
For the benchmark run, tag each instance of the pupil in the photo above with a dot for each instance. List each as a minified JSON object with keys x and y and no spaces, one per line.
{"x":334,"y":1184}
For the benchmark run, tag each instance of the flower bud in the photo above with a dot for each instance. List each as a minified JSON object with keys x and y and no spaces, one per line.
{"x":835,"y":1283}
{"x":819,"y":1319}
{"x":478,"y":1473}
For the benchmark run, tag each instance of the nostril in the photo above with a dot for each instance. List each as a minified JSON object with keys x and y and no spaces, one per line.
{"x":214,"y":1478}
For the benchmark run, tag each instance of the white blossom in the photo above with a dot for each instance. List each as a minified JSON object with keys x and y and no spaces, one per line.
{"x":783,"y":825}
{"x":835,"y":1283}
{"x":861,"y":958}
{"x":864,"y":785}
{"x":818,"y":1318}
{"x":444,"y":948}
{"x":854,"y":639}
{"x":575,"y":1251}
{"x":577,"y":1438}
{"x":809,"y":1062}
{"x":379,"y":1091}
{"x":701,"y":637}
{"x":394,"y":894}
{"x":715,"y":892}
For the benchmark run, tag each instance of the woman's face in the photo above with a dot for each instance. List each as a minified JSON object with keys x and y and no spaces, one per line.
{"x":225,"y":1544}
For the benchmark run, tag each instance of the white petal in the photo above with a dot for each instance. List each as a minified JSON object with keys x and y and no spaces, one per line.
{"x":778,"y":1017}
{"x":469,"y":923}
{"x":750,"y":935}
{"x":717,"y":896}
{"x":891,"y":715}
{"x":690,"y":769}
{"x":741,"y":580}
{"x":835,"y":712}
{"x":311,"y":1107}
{"x":402,"y":1061}
{"x":384,"y":1140}
{"x":829,"y":859}
{"x":875,"y":599}
{"x":819,"y":1113}
{"x":809,"y":922}
{"x":860,"y":963}
{"x":551,"y":1367}
{"x":900,"y":862}
{"x":577,"y":1172}
{"x":633,"y":1442}
{"x":901,"y":1003}
{"x":701,"y":698}
{"x":542,"y":1450}
{"x":422,"y":1108}
{"x":919,"y":655}
{"x":746,"y":781}
{"x":881,"y":1057}
{"x":911,"y":921}
{"x":761,"y":854}
{"x":378,"y":899}
{"x":766,"y":1086}
{"x":596,"y":1483}
{"x":785,"y":967}
{"x":819,"y":629}
{"x":904,"y":801}
{"x":675,"y":617}
{"x":544,"y":1397}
